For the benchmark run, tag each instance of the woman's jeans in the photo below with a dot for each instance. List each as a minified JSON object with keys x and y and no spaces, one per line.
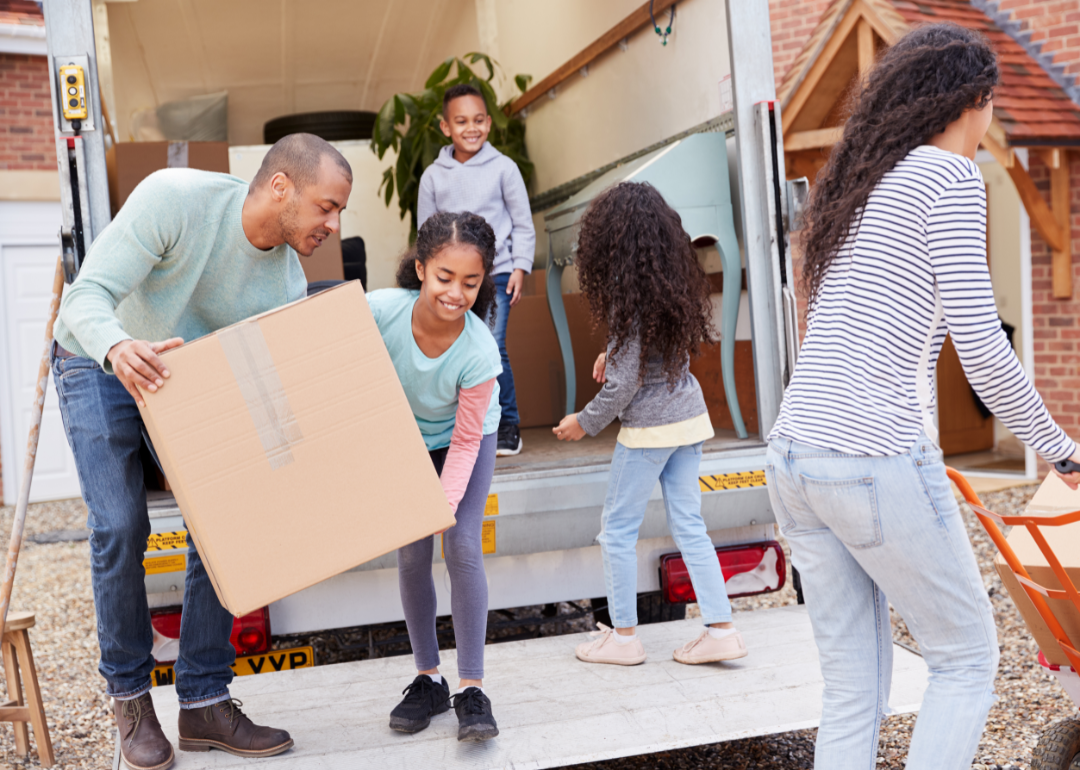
{"x":634,"y":473}
{"x":863,"y":528}
{"x":507,"y":396}
{"x":104,"y":430}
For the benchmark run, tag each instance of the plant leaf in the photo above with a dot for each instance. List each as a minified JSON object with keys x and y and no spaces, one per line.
{"x":522,"y":82}
{"x":440,"y":73}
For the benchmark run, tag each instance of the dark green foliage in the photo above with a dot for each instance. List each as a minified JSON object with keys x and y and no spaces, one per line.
{"x":409,"y":124}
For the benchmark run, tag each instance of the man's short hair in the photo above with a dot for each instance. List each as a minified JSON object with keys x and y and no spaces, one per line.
{"x":299,"y":156}
{"x":456,"y":92}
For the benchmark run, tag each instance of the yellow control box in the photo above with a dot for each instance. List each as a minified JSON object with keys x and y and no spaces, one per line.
{"x":73,"y":92}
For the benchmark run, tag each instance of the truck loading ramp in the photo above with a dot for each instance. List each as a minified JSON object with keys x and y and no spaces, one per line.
{"x":552,"y":709}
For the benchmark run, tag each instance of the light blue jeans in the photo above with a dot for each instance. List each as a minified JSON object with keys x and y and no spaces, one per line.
{"x":861,"y":528}
{"x":634,"y":473}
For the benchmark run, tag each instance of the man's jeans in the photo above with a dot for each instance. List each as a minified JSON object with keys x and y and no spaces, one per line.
{"x":507,"y":397}
{"x":861,"y":528}
{"x":104,"y":430}
{"x":634,"y":473}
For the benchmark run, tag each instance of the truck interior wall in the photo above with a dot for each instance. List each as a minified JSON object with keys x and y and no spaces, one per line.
{"x":280,"y":58}
{"x":631,"y":98}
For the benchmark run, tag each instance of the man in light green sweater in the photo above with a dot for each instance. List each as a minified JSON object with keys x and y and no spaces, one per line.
{"x":189,"y":253}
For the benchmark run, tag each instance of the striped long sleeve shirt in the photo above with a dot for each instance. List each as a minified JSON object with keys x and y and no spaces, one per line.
{"x":912,"y":271}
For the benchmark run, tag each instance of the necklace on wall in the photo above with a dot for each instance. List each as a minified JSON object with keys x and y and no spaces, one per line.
{"x":663,"y":34}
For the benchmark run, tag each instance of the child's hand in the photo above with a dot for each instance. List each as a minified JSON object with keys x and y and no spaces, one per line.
{"x":569,"y":429}
{"x":513,"y":286}
{"x":599,"y":369}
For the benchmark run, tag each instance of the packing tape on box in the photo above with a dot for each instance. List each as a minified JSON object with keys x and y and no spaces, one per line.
{"x":253,"y":367}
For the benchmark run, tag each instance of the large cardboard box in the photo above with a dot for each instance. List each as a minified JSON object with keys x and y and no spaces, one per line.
{"x":1052,"y":498}
{"x":131,"y":162}
{"x":292,"y":450}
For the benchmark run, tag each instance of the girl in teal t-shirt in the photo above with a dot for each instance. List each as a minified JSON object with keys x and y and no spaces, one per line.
{"x":447,"y":361}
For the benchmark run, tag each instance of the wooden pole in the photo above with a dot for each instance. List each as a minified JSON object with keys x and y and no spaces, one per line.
{"x":31,"y":449}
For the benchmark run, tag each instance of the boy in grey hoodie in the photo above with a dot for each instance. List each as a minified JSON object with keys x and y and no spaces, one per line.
{"x":471,"y":175}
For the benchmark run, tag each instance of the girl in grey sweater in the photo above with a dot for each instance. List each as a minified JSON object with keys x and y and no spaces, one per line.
{"x":642,"y":278}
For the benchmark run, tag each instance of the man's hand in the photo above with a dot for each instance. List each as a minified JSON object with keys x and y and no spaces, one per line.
{"x":1071,"y":479}
{"x":569,"y":429}
{"x":513,"y":286}
{"x":136,"y":365}
{"x":599,"y":369}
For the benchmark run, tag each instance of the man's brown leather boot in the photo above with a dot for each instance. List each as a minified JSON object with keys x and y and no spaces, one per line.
{"x":224,"y":726}
{"x":142,"y":743}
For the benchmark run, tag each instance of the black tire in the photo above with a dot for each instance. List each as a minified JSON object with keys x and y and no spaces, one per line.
{"x":651,"y":608}
{"x":1058,"y":746}
{"x":332,"y":126}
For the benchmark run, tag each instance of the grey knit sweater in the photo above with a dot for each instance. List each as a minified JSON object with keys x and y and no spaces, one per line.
{"x":489,"y":184}
{"x":639,"y":404}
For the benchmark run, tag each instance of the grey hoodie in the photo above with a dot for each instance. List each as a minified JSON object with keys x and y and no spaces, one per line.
{"x":488,"y":184}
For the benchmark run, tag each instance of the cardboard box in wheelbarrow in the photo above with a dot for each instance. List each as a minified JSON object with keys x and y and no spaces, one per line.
{"x":291,"y":449}
{"x":1052,"y":498}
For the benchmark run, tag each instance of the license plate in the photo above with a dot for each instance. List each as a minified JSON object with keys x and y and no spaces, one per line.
{"x":247,"y":665}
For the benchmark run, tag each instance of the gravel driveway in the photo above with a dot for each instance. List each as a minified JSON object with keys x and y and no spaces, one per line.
{"x":53,"y":580}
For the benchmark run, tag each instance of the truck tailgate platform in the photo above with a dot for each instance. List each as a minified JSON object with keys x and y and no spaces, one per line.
{"x":552,"y":709}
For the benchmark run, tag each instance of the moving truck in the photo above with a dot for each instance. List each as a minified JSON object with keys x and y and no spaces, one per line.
{"x":635,"y":108}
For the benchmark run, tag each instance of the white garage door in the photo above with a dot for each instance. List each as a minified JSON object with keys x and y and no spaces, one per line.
{"x":28,"y":251}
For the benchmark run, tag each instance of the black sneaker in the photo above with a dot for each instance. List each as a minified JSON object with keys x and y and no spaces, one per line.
{"x":424,"y":698}
{"x":509,"y":441}
{"x":475,"y":722}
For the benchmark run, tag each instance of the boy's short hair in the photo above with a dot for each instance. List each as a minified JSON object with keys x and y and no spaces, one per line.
{"x":456,"y":92}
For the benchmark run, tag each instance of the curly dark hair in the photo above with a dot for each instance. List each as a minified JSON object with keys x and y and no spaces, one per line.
{"x":642,"y":277}
{"x":440,"y":231}
{"x":927,"y":80}
{"x":456,"y":92}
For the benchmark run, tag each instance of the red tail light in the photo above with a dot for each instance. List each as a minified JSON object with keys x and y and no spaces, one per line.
{"x":756,"y":568}
{"x":250,"y":633}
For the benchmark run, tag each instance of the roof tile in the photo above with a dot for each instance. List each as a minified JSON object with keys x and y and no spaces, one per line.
{"x":1030,"y":106}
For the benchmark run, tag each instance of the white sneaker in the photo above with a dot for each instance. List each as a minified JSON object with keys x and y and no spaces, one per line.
{"x":604,"y":649}
{"x":707,"y":649}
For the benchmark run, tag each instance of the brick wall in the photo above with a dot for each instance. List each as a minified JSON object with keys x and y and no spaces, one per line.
{"x":793,"y":21}
{"x":1055,"y":323}
{"x":1053,"y":26}
{"x":26,"y":129}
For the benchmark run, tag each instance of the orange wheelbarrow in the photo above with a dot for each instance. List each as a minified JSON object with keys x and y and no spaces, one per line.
{"x":1059,"y":745}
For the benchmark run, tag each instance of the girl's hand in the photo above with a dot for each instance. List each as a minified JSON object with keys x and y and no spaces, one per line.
{"x":1071,"y":479}
{"x":569,"y":429}
{"x":599,"y":369}
{"x":513,"y":286}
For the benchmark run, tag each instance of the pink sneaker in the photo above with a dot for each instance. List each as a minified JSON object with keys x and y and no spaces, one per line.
{"x":604,"y":649}
{"x":706,"y":649}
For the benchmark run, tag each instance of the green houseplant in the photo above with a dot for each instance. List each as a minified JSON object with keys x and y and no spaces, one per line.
{"x":409,"y":124}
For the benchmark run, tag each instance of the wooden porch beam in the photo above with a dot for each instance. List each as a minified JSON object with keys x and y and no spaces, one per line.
{"x":866,"y":47}
{"x":1041,"y":216}
{"x":1061,"y":259}
{"x":609,"y":39}
{"x":812,"y":140}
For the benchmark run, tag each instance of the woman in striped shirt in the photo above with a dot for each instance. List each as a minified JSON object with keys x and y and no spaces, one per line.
{"x":894,"y":259}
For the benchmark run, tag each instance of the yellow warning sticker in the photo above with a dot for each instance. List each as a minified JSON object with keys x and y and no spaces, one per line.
{"x":491,"y":508}
{"x":166,"y":541}
{"x":723,"y":481}
{"x":247,"y":665}
{"x":158,"y":564}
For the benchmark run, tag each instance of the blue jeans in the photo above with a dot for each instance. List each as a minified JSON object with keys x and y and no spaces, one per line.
{"x":861,"y":528}
{"x":104,"y":430}
{"x":507,"y":397}
{"x":634,"y":473}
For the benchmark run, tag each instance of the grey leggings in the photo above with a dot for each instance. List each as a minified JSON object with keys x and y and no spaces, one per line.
{"x":465,"y":563}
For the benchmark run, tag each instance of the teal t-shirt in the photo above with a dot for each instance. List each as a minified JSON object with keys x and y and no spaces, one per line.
{"x":432,"y":384}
